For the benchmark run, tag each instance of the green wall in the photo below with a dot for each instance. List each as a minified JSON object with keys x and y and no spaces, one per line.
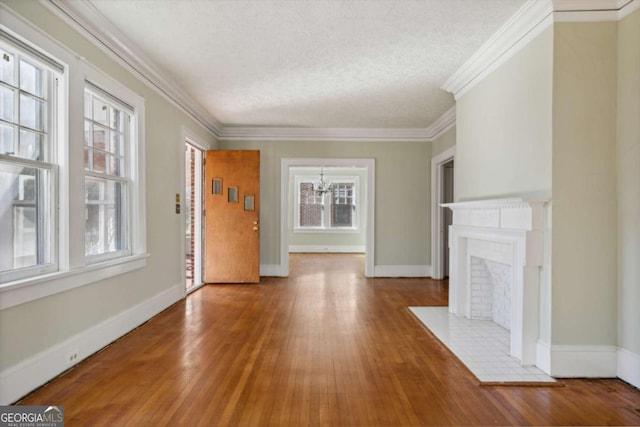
{"x":402,"y":196}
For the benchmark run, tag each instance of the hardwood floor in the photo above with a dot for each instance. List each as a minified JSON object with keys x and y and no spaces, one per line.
{"x":323,"y":347}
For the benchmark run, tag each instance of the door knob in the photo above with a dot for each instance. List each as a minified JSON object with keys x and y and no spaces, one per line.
{"x":255,"y":228}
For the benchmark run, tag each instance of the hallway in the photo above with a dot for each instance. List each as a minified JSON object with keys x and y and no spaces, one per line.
{"x":325,"y":346}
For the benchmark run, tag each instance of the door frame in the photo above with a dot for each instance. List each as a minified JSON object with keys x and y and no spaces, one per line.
{"x":187,"y":136}
{"x":437,"y":170}
{"x":285,"y":210}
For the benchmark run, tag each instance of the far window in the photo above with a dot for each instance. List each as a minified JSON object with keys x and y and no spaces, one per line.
{"x":342,"y":205}
{"x":107,"y":175}
{"x":332,"y":210}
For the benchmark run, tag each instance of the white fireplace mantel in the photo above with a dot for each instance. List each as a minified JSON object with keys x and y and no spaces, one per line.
{"x":510,"y":231}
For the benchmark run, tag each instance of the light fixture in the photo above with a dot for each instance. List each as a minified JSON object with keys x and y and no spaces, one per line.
{"x":321,"y":188}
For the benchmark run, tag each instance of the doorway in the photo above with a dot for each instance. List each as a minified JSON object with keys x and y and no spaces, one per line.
{"x":193,"y":216}
{"x":442,"y":191}
{"x":286,"y":210}
{"x":447,"y":214}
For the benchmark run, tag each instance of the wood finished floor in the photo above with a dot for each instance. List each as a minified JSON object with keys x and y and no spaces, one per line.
{"x":325,"y":347}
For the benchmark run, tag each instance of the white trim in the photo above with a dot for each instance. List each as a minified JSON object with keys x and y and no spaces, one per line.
{"x":628,"y":9}
{"x":271,"y":270}
{"x":543,"y":357}
{"x":436,"y":211}
{"x":369,"y":225}
{"x":442,"y":124}
{"x":240,"y":133}
{"x":187,"y":137}
{"x":402,"y":271}
{"x":327,"y":248}
{"x":629,"y":367}
{"x":35,"y":371}
{"x":583,"y":361}
{"x":22,"y":291}
{"x":516,"y":33}
{"x":588,"y":5}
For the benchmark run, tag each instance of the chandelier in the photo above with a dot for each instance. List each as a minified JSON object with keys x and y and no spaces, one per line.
{"x":321,"y":188}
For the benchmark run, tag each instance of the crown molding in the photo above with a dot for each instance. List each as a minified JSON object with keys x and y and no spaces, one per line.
{"x":533,"y":18}
{"x":517,"y":32}
{"x":442,"y":124}
{"x":592,"y":10}
{"x":241,"y":133}
{"x":86,"y":19}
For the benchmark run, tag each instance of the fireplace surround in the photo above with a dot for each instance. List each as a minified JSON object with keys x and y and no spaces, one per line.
{"x":507,"y":232}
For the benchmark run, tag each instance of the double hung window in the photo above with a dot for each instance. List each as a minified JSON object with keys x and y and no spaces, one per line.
{"x":107,"y":178}
{"x":333,"y":210}
{"x":28,"y":164}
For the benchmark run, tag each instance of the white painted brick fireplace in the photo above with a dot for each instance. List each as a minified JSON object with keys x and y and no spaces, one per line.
{"x":496,"y":251}
{"x":490,"y":291}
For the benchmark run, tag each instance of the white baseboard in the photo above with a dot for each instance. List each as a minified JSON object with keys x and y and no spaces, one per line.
{"x":577,"y":361}
{"x":326,"y":248}
{"x":18,"y":380}
{"x":629,"y":367}
{"x":402,"y":271}
{"x":270,"y":270}
{"x":543,"y":357}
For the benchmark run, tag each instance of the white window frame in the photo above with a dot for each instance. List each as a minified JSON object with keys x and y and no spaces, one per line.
{"x":130,"y":170}
{"x":52,"y":123}
{"x":326,"y":200}
{"x":73,"y":269}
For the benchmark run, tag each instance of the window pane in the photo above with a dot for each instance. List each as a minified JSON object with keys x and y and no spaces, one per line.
{"x":310,"y":215}
{"x":117,"y":143}
{"x":99,"y":138}
{"x":341,"y":216}
{"x":7,"y":67}
{"x":100,"y":112}
{"x":116,"y":121}
{"x":6,"y":139}
{"x":88,"y":158}
{"x":88,"y":141}
{"x":25,"y":243}
{"x":30,"y":79}
{"x":7,"y":97}
{"x":31,"y":145}
{"x":87,"y":106}
{"x":117,"y":166}
{"x":342,"y":205}
{"x":31,"y":112}
{"x":99,"y":161}
{"x":25,"y":208}
{"x":105,"y":227}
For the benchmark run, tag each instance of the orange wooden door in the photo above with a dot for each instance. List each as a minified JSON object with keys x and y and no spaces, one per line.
{"x":232,"y":215}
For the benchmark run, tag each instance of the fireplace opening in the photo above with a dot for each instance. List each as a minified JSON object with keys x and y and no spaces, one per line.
{"x":490,"y":291}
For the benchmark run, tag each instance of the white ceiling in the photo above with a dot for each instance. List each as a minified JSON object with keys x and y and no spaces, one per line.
{"x":312,"y":63}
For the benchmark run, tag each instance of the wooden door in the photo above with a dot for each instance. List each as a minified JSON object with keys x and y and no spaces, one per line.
{"x":232,"y":215}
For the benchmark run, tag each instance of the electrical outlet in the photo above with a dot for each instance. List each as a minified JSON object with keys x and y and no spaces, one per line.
{"x":72,"y":357}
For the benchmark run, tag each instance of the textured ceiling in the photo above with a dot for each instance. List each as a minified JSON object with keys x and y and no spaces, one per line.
{"x":312,"y":63}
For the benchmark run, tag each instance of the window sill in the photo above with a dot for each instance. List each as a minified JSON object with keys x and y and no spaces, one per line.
{"x":26,"y":290}
{"x":326,"y":230}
